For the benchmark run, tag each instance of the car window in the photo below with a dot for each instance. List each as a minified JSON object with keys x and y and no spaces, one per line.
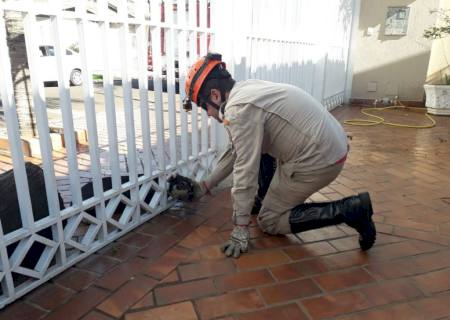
{"x":68,"y":52}
{"x":42,"y":51}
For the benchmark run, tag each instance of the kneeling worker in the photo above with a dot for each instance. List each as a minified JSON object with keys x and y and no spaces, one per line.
{"x":288,"y":124}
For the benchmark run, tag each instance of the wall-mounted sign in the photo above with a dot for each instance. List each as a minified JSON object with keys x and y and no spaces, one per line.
{"x":396,"y":21}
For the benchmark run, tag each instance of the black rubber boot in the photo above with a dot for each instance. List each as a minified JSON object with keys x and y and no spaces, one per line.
{"x":355,"y":211}
{"x":267,"y":167}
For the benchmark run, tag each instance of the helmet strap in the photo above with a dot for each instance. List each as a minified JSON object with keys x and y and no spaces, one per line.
{"x":215,"y":105}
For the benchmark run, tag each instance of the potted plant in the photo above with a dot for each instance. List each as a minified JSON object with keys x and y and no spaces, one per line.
{"x":438,"y":94}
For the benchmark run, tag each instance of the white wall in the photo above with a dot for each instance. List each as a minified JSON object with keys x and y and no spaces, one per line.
{"x":398,"y":64}
{"x":440,"y":55}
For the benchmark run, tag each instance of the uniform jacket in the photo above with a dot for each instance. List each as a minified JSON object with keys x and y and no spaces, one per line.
{"x":283,"y":121}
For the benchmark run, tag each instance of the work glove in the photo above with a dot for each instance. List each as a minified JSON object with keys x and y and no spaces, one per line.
{"x":238,"y":242}
{"x":185,"y":189}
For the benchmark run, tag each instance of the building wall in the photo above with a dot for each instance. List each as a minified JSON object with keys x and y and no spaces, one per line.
{"x":440,"y":54}
{"x":396,"y":65}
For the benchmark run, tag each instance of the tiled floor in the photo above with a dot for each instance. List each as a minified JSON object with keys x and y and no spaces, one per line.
{"x":171,"y":267}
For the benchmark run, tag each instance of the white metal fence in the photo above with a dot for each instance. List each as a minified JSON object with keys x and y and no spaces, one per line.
{"x":302,"y":42}
{"x":159,"y":136}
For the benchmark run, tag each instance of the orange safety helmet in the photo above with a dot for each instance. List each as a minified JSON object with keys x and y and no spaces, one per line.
{"x":197,"y":75}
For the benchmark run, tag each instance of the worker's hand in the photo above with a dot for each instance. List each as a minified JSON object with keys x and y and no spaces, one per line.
{"x":185,"y":189}
{"x":238,"y":242}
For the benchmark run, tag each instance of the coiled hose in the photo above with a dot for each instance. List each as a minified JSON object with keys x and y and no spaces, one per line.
{"x":381,"y":120}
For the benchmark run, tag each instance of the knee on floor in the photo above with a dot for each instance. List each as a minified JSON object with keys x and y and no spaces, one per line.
{"x":268,"y":225}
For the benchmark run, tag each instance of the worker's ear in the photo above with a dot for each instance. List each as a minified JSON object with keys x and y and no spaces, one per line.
{"x":215,"y":96}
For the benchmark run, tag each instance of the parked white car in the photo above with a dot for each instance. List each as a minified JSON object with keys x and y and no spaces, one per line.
{"x":48,"y":66}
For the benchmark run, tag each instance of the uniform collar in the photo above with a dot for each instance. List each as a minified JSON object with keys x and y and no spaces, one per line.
{"x":222,"y":110}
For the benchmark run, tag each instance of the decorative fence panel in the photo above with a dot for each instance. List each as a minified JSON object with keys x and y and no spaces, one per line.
{"x":137,"y":132}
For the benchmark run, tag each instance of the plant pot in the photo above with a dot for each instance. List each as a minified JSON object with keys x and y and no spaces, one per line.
{"x":438,"y":99}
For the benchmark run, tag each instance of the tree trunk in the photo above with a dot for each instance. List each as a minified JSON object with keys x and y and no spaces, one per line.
{"x":20,"y":73}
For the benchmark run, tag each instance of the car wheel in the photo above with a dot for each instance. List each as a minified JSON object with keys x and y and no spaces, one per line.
{"x":75,"y":77}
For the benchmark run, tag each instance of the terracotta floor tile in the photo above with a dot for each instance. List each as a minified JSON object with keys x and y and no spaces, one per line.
{"x":136,"y":239}
{"x":119,"y":251}
{"x":344,"y":279}
{"x":433,"y":282}
{"x":288,"y":291}
{"x":262,"y":259}
{"x":421,"y":235}
{"x":346,"y":259}
{"x":286,"y":312}
{"x":79,"y":305}
{"x":95,"y":315}
{"x":76,"y":279}
{"x":21,"y":311}
{"x":394,"y":269}
{"x":158,"y":246}
{"x":172,"y":277}
{"x":198,"y":237}
{"x":273,"y":242}
{"x":121,"y":300}
{"x":402,"y":311}
{"x":179,"y":311}
{"x":181,"y":230}
{"x":299,"y":269}
{"x":161,"y":267}
{"x":121,"y":274}
{"x":432,"y":261}
{"x":309,"y":250}
{"x":210,"y":253}
{"x":146,"y":302}
{"x":97,"y":263}
{"x":184,"y":291}
{"x":410,"y":224}
{"x":243,"y":280}
{"x":435,"y":307}
{"x":49,"y":296}
{"x":229,"y":303}
{"x":321,"y":234}
{"x":336,"y":304}
{"x":161,"y":222}
{"x":389,"y":292}
{"x":206,"y":269}
{"x":402,"y":249}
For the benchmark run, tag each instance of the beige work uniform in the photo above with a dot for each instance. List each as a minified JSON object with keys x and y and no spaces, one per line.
{"x":291,"y":126}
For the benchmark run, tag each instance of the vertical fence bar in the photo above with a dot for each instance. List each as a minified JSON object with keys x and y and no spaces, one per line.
{"x":12,"y":128}
{"x":157,"y":84}
{"x":213,"y":131}
{"x":8,"y":284}
{"x":89,"y":109}
{"x":142,"y":48}
{"x":128,"y":108}
{"x":192,"y":57}
{"x":43,"y":128}
{"x":182,"y":67}
{"x":66,"y":108}
{"x":203,"y":50}
{"x":108,"y":89}
{"x":170,"y":68}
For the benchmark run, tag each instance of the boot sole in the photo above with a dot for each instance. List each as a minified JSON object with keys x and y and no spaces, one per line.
{"x":367,"y":232}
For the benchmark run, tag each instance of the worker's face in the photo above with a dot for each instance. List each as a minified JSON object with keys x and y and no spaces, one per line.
{"x":211,"y":110}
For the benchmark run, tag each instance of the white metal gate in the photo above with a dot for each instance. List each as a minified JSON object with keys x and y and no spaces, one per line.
{"x":142,"y":140}
{"x":302,"y":42}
